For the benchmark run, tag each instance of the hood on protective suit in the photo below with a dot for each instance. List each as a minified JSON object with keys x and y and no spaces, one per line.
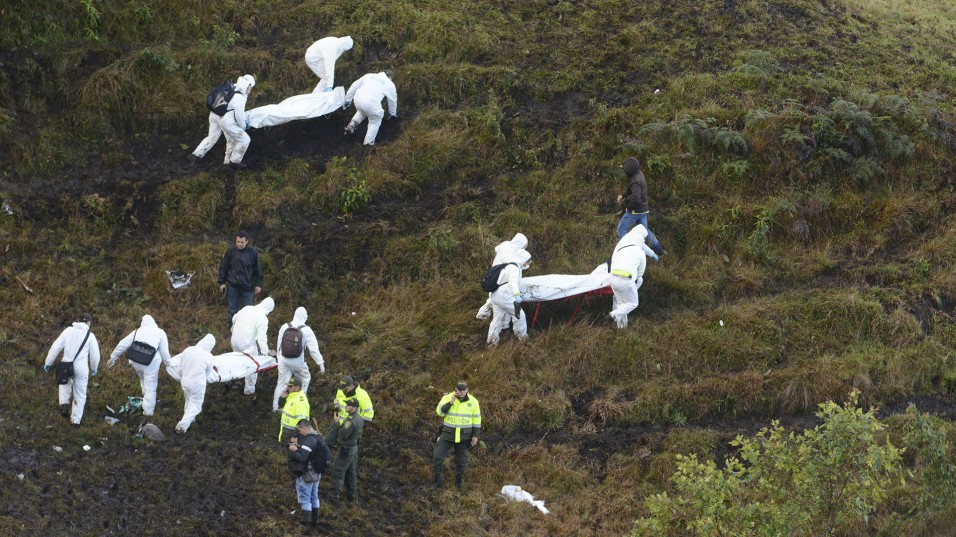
{"x":631,"y":166}
{"x":244,"y":82}
{"x":518,"y":242}
{"x":147,"y":321}
{"x":207,"y":343}
{"x":267,"y":305}
{"x":636,"y":235}
{"x":345,"y":43}
{"x":522,"y":258}
{"x":300,"y":317}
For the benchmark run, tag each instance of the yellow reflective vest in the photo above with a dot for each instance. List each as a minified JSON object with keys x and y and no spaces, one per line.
{"x":365,"y":403}
{"x":296,"y":408}
{"x":463,"y":419}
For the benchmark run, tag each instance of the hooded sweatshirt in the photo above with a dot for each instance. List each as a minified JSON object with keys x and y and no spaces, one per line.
{"x":635,"y":199}
{"x":149,"y":333}
{"x":250,"y":327}
{"x":629,"y":258}
{"x":309,"y":340}
{"x":507,"y":251}
{"x":196,"y":362}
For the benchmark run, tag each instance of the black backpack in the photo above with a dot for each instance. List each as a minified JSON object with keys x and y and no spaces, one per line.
{"x":291,"y":346}
{"x":321,"y":457}
{"x":218,"y":99}
{"x":489,"y":283}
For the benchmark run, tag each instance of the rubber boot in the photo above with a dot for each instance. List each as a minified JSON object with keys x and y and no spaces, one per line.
{"x":315,"y":517}
{"x":459,"y":482}
{"x":65,"y":411}
{"x":307,"y":518}
{"x":438,"y":482}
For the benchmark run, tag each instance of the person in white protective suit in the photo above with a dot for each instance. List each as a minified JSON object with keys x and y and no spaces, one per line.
{"x":195,"y":363}
{"x":504,"y":252}
{"x":506,"y":300}
{"x":321,"y":56}
{"x":296,"y":365}
{"x":151,"y":334}
{"x":250,"y":327}
{"x":78,"y":345}
{"x":627,"y":273}
{"x":368,"y":92}
{"x":232,"y":124}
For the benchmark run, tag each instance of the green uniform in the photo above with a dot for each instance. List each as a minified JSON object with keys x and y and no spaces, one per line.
{"x":462,"y":423}
{"x":345,"y":467}
{"x":296,"y":408}
{"x":365,"y":410}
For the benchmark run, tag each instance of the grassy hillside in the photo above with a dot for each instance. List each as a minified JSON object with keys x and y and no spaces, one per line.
{"x":800,"y":161}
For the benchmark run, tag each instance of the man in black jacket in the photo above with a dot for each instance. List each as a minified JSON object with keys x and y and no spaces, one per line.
{"x":305,"y":448}
{"x":240,"y":274}
{"x":634,"y":200}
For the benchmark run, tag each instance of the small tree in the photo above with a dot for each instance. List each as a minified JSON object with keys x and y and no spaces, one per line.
{"x":821,"y":482}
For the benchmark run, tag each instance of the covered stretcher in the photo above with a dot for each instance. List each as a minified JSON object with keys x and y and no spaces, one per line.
{"x":561,"y":286}
{"x":308,"y":106}
{"x":228,"y":366}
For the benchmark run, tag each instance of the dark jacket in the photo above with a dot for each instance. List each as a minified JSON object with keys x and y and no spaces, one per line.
{"x":635,"y":198}
{"x":313,"y":448}
{"x":350,"y":430}
{"x":241,"y":268}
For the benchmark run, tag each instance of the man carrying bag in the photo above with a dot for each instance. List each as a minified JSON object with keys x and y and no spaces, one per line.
{"x":79,"y":343}
{"x":309,"y":458}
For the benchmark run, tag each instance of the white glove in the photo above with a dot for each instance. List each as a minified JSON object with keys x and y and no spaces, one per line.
{"x":111,"y":363}
{"x":322,"y":369}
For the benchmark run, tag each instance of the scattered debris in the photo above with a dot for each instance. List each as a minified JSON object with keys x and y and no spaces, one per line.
{"x":25,"y":286}
{"x":657,"y":91}
{"x":58,"y":449}
{"x":132,"y":405}
{"x":110,"y":409}
{"x":514,"y":493}
{"x":353,"y":313}
{"x":111,"y":420}
{"x":152,"y":432}
{"x":20,"y":477}
{"x":179,"y":279}
{"x":7,"y":209}
{"x":87,"y":448}
{"x":721,"y":322}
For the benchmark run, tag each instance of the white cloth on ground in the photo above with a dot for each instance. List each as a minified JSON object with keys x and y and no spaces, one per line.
{"x":514,"y":493}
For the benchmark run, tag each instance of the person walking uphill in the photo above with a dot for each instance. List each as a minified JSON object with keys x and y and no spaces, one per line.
{"x":294,"y":339}
{"x":368,"y":93}
{"x":296,"y":408}
{"x":250,"y":328}
{"x":506,"y":300}
{"x":459,"y":431}
{"x":240,"y":274}
{"x":628,"y":263}
{"x":196,"y":361}
{"x":81,"y":359}
{"x":231,"y":122}
{"x":345,"y":467}
{"x":307,"y":448}
{"x":141,"y":347}
{"x":635,"y":205}
{"x":321,"y":56}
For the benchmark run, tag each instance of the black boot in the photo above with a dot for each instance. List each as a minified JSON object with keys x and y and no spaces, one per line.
{"x":459,"y":481}
{"x":65,"y":411}
{"x":438,"y":482}
{"x":307,"y":518}
{"x":315,"y":517}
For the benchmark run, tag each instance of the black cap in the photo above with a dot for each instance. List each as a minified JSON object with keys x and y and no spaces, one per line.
{"x":462,"y":385}
{"x":84,"y":318}
{"x":353,"y":402}
{"x":295,"y":381}
{"x":346,"y":380}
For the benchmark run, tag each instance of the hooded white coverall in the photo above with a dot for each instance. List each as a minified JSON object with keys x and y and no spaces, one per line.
{"x":87,"y":360}
{"x":505,"y":252}
{"x":627,"y":273}
{"x":367,"y":93}
{"x":503,"y":301}
{"x":321,"y":56}
{"x":151,"y":334}
{"x":195,"y":363}
{"x":250,"y":327}
{"x":232,"y":124}
{"x":297,"y":366}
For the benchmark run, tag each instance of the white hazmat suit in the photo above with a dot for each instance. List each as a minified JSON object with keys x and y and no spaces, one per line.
{"x":195,"y":363}
{"x":151,"y":334}
{"x":503,"y":300}
{"x":250,"y":327}
{"x":232,"y":124}
{"x":367,"y":93}
{"x":505,"y":252}
{"x":87,"y":361}
{"x":321,"y":56}
{"x":297,"y":366}
{"x":627,"y":273}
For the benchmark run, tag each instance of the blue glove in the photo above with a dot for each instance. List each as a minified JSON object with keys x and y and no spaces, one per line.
{"x":93,"y":373}
{"x":46,"y":369}
{"x":654,"y":257}
{"x":518,"y":299}
{"x":327,"y":90}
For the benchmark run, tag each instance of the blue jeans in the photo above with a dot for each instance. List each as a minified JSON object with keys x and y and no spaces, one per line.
{"x":308,"y":493}
{"x":237,"y":299}
{"x":629,"y":220}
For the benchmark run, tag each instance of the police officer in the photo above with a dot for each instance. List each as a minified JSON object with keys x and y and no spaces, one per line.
{"x":296,"y":408}
{"x":348,"y":389}
{"x":459,"y":430}
{"x":345,"y":467}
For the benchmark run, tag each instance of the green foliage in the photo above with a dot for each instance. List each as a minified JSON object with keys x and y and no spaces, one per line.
{"x":355,"y":197}
{"x":926,"y":439}
{"x":826,"y":480}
